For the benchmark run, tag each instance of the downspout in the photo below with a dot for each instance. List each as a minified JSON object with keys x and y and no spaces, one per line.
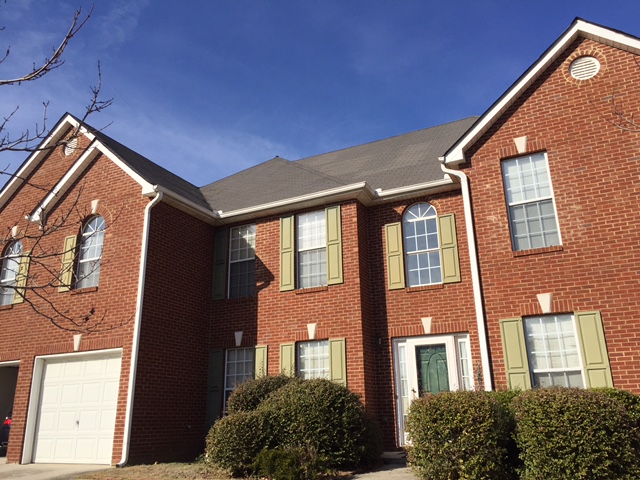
{"x":136,"y":328}
{"x":475,"y":274}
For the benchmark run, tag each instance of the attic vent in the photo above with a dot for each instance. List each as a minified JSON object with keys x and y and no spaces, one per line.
{"x":71,"y":146}
{"x":584,"y":68}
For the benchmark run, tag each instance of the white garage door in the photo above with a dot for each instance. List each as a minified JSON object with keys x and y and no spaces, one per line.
{"x":77,"y":411}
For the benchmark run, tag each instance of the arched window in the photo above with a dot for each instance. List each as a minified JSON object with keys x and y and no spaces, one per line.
{"x":421,"y":245}
{"x":90,"y":253}
{"x":10,"y":266}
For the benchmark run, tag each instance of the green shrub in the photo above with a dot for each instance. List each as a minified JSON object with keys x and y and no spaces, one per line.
{"x":250,"y":394}
{"x":460,"y":435}
{"x":288,"y":463}
{"x":628,"y":400}
{"x":324,"y":416}
{"x":234,"y":441}
{"x":572,"y":433}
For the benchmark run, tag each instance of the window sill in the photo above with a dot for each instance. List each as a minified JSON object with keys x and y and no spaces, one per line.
{"x":6,"y":307}
{"x":80,"y":291}
{"x":421,"y":288}
{"x":247,"y":299}
{"x":302,"y":291}
{"x":536,"y":251}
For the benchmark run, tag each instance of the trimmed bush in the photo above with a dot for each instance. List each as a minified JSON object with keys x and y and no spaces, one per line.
{"x":574,"y":433}
{"x":288,"y":463}
{"x":628,"y":400}
{"x":460,"y":435}
{"x":234,"y":441}
{"x":250,"y":394}
{"x":324,"y":416}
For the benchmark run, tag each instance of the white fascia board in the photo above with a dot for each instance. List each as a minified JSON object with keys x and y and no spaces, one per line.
{"x":181,"y":203}
{"x":455,"y":155}
{"x":360,"y":191}
{"x":354,"y":190}
{"x":33,"y":160}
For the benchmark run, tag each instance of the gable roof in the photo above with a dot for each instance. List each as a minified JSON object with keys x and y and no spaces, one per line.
{"x":385,"y":165}
{"x":578,"y":28}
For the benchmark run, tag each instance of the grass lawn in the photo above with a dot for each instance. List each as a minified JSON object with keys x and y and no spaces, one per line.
{"x":159,"y":471}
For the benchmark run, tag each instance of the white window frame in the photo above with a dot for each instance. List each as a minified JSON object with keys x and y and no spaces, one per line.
{"x":9,"y":272}
{"x":242,"y":250}
{"x":519,"y":195}
{"x":92,"y":238}
{"x":423,"y":214}
{"x":314,"y":363}
{"x":235,"y":378}
{"x":547,"y":352}
{"x":311,"y":249}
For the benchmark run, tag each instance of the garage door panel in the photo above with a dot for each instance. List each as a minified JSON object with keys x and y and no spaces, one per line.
{"x":77,"y":414}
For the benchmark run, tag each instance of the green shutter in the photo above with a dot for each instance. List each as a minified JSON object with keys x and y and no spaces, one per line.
{"x":215,"y":386}
{"x":595,"y":358}
{"x":334,"y":246}
{"x":261,"y":369}
{"x":288,"y":359}
{"x":338,"y":361}
{"x":449,"y":249}
{"x":21,"y":278}
{"x":220,"y":264}
{"x":287,"y":254}
{"x":515,"y":354}
{"x":68,"y":259}
{"x":395,"y":260}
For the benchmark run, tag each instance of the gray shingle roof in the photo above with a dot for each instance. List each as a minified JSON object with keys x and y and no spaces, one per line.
{"x":152,"y":172}
{"x":399,"y":161}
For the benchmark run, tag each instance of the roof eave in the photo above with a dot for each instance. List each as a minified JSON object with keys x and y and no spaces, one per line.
{"x":360,"y":191}
{"x":456,"y":154}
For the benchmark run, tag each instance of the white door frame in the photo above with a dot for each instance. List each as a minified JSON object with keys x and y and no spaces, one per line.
{"x":36,"y":392}
{"x":452,"y":346}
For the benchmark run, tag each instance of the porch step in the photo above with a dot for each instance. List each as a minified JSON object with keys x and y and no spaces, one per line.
{"x":399,"y":457}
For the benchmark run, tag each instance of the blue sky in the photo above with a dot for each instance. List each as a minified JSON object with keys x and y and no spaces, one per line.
{"x":209,"y":88}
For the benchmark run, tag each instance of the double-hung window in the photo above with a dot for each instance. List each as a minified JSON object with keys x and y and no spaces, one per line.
{"x":422,"y":247}
{"x":90,"y":253}
{"x":242,"y":261}
{"x":313,"y":359}
{"x":562,"y":349}
{"x":311,"y":244}
{"x":10,"y":267}
{"x":553,"y":352}
{"x":532,"y":213}
{"x":240,"y":367}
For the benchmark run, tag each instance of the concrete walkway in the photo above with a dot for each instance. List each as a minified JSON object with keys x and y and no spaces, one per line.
{"x":390,"y":471}
{"x":41,"y":471}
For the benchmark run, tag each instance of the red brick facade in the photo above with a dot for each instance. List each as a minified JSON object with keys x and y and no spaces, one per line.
{"x":594,"y":166}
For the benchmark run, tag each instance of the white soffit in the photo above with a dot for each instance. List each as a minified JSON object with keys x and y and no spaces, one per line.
{"x":578,"y":28}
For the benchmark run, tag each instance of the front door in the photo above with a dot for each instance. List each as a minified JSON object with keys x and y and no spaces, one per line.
{"x":429,"y":364}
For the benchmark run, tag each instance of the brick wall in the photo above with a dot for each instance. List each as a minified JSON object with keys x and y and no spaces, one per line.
{"x":26,"y":334}
{"x":170,"y":393}
{"x":594,"y":168}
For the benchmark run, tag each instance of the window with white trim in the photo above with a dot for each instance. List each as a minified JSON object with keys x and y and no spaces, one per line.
{"x":552,"y":349}
{"x":10,"y":266}
{"x":239,"y":367}
{"x":90,"y":253}
{"x":421,"y":245}
{"x":532,"y":212}
{"x":242,"y":261}
{"x":313,"y":359}
{"x":311,"y":243}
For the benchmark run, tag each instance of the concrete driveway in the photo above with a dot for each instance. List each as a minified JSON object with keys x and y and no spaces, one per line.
{"x":44,"y":471}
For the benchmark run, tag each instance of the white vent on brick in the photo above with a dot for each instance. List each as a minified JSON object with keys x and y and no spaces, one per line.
{"x":584,"y":68}
{"x":71,"y":146}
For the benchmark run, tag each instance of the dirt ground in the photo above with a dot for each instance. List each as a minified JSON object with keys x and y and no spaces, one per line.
{"x":160,"y":471}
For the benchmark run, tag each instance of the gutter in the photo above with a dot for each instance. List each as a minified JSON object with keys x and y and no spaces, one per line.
{"x":136,"y":328}
{"x":475,"y":274}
